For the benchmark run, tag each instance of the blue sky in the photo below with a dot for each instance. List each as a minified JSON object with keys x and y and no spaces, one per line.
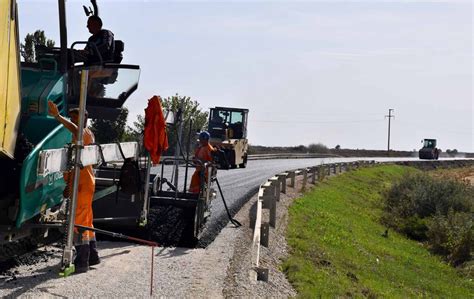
{"x":308,"y":71}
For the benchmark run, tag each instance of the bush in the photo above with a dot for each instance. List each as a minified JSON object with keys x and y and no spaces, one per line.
{"x":436,"y":210}
{"x":452,"y":236}
{"x":317,"y":148}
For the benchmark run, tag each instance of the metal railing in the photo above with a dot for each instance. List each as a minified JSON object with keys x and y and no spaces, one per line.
{"x":269,"y":196}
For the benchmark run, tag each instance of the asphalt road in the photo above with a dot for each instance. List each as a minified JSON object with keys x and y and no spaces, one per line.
{"x":238,"y":185}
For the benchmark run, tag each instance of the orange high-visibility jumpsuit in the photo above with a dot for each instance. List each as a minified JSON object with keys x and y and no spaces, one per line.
{"x":203,"y":153}
{"x":85,"y":194}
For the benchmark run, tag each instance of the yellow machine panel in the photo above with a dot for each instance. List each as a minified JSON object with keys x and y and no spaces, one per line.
{"x":10,"y":101}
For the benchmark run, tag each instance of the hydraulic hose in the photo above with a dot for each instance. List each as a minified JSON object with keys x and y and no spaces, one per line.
{"x":232,"y":220}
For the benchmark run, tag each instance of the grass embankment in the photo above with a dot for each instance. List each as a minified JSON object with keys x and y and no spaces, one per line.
{"x":339,"y":248}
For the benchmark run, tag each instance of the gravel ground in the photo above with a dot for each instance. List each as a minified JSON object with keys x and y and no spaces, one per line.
{"x":220,"y":270}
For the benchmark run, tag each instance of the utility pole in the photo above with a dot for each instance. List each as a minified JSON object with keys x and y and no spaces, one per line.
{"x":389,"y":119}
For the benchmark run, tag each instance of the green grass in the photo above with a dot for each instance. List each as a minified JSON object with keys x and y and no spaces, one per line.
{"x":337,"y":247}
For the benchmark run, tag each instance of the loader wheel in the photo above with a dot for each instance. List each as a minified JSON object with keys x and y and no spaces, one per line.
{"x":244,"y":164}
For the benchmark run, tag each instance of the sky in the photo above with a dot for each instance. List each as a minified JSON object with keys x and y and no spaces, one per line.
{"x":309,"y":71}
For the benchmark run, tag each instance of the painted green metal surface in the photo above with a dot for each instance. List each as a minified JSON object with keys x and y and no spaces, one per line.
{"x":38,"y":86}
{"x":38,"y":193}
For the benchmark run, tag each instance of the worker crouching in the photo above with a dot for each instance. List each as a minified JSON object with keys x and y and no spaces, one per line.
{"x":84,"y":241}
{"x":203,"y":154}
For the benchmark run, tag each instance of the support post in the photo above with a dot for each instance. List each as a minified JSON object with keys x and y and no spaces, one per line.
{"x":282,"y":178}
{"x":305,"y":179}
{"x":67,"y":266}
{"x":292,"y":179}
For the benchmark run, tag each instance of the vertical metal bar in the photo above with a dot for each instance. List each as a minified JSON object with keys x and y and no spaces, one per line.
{"x":67,"y":254}
{"x":208,"y":187}
{"x":177,"y":149}
{"x":63,"y":34}
{"x":146,"y":199}
{"x":187,"y":155}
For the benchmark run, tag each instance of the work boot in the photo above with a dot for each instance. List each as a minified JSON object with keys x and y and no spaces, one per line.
{"x":81,"y":262}
{"x":94,"y":258}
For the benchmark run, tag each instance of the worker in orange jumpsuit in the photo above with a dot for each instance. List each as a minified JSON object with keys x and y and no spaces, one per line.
{"x":203,"y":154}
{"x":84,"y":241}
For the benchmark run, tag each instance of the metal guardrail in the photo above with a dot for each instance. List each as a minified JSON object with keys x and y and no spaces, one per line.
{"x":269,"y":196}
{"x":278,"y":156}
{"x":290,"y":156}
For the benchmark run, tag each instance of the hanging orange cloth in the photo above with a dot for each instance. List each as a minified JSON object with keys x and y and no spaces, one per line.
{"x":155,"y":138}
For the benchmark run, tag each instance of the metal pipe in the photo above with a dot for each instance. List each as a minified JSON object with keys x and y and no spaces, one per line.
{"x":187,"y":156}
{"x":63,"y":35}
{"x":68,"y":254}
{"x":146,"y":200}
{"x":177,"y":153}
{"x":208,"y":188}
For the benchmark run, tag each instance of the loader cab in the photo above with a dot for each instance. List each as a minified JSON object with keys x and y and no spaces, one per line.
{"x":228,"y":123}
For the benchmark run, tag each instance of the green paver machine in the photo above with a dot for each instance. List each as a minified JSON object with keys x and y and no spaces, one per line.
{"x":34,"y":148}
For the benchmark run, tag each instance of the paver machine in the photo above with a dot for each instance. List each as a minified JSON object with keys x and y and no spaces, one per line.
{"x":34,"y":148}
{"x":169,"y":213}
{"x":228,"y":130}
{"x":429,"y":150}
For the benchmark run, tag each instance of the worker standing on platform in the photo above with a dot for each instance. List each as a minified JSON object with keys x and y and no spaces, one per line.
{"x":84,"y":242}
{"x":203,"y":154}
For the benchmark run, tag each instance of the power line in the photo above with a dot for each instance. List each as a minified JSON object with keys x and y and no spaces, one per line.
{"x":315,"y":122}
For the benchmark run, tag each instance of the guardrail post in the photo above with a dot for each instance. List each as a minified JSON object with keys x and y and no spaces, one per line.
{"x":269,"y":202}
{"x":329,"y":169}
{"x":292,"y":175}
{"x":305,"y":179}
{"x":340,"y":167}
{"x":321,"y":173}
{"x":276,"y":184}
{"x":313,"y":177}
{"x":282,"y":177}
{"x":264,"y":234}
{"x":262,"y":274}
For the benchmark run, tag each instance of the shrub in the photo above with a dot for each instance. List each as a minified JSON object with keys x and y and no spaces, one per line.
{"x":451,"y":235}
{"x":436,"y":210}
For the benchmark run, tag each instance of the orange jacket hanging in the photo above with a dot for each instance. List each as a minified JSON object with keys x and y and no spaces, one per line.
{"x":155,"y":138}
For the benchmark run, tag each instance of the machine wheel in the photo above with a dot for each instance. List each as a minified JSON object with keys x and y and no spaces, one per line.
{"x":244,"y":164}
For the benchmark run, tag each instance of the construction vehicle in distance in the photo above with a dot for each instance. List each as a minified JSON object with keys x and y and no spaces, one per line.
{"x":228,"y":130}
{"x":429,"y":150}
